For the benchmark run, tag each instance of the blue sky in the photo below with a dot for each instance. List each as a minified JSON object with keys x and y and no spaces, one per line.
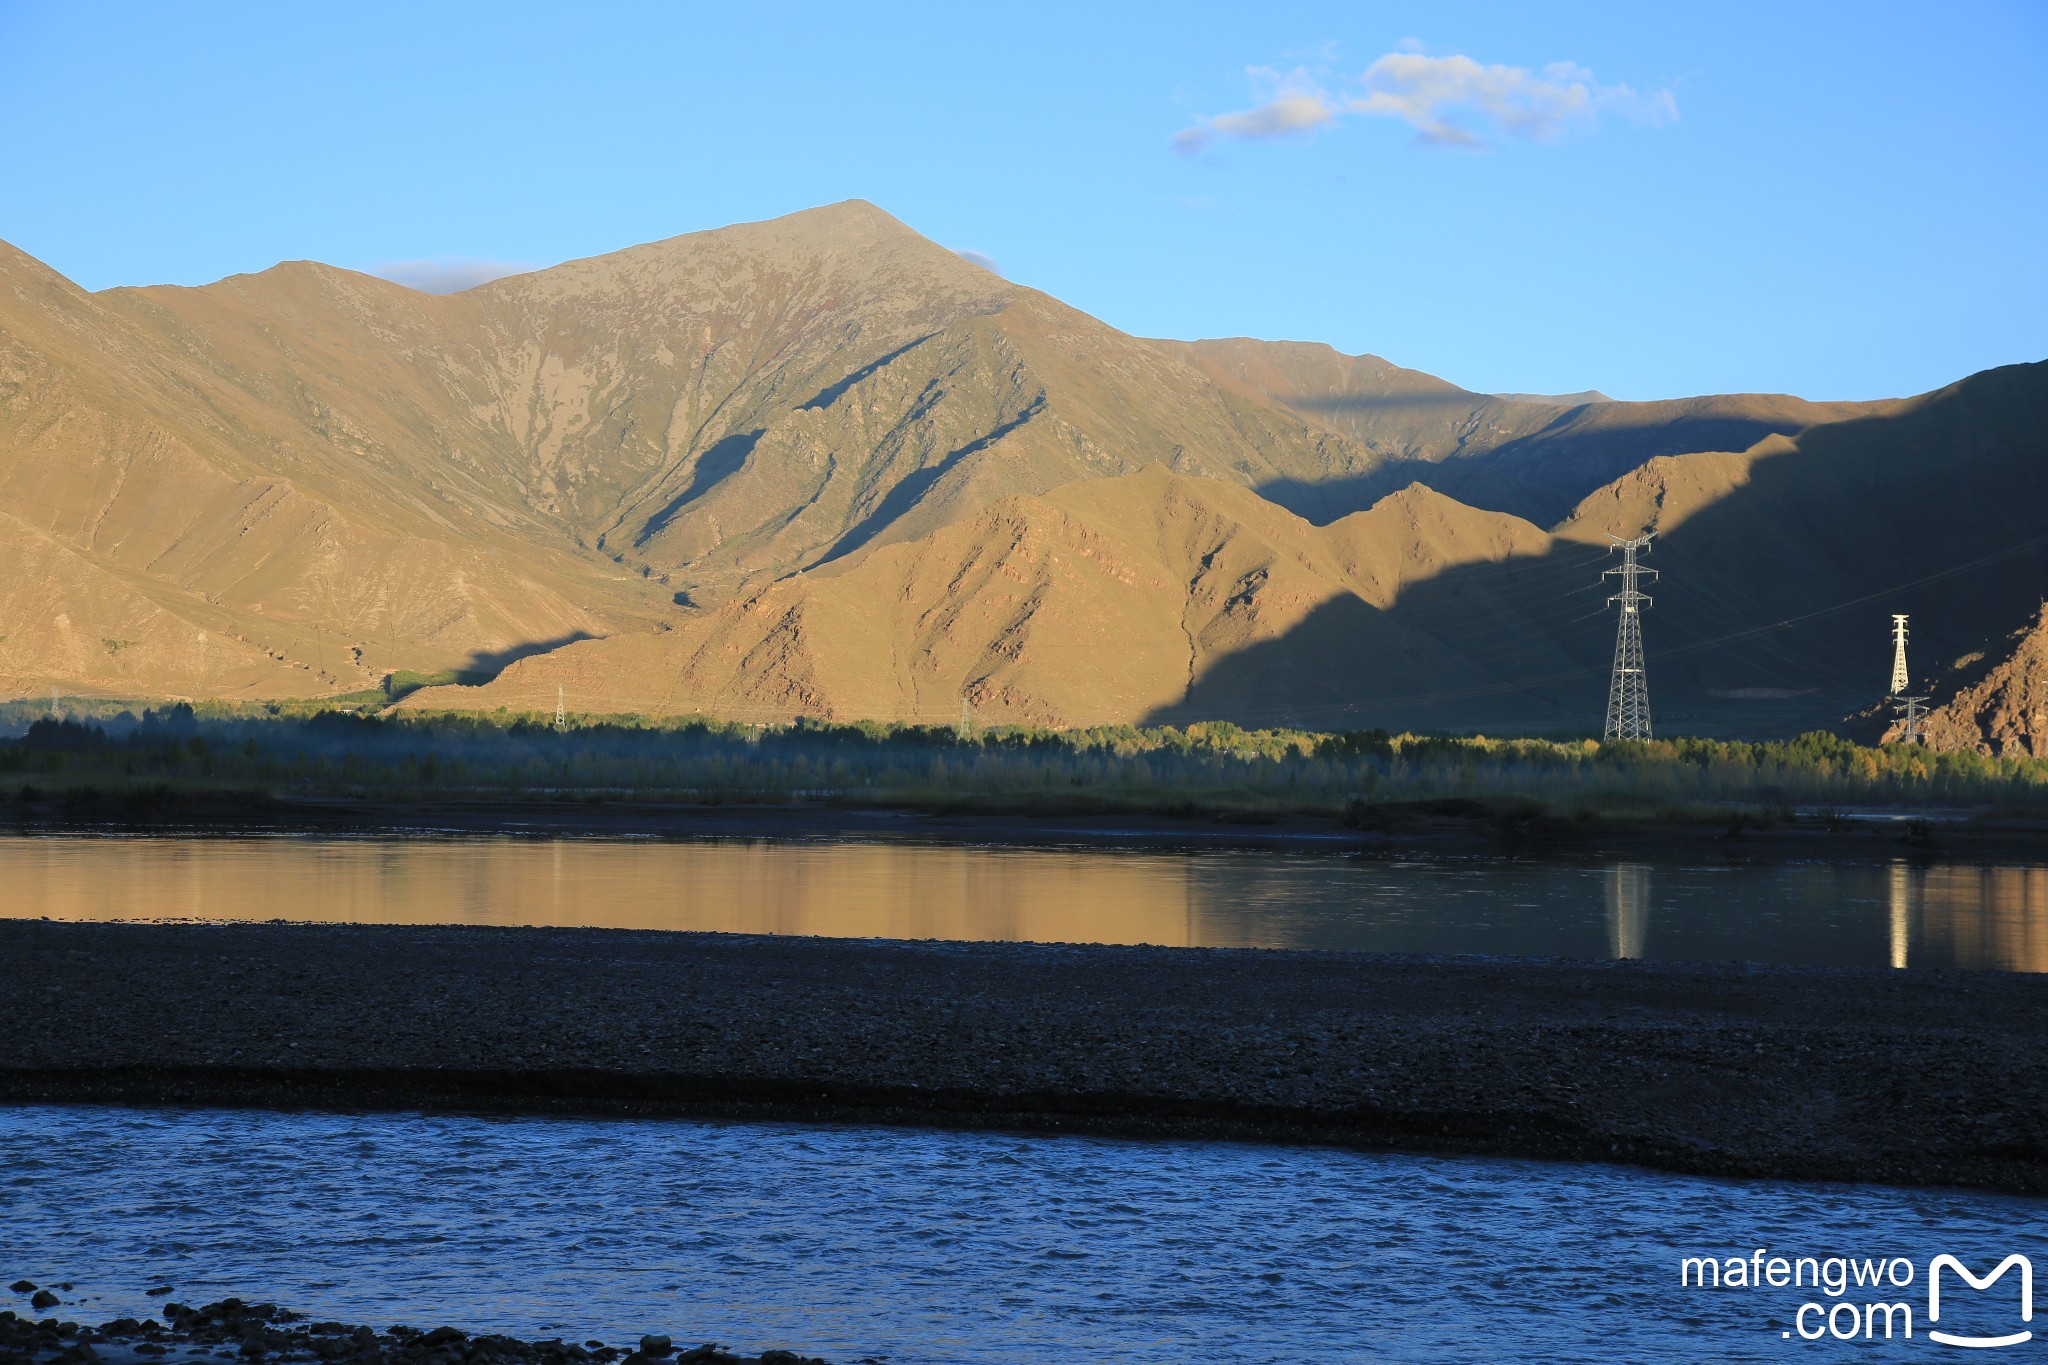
{"x":1841,"y":201}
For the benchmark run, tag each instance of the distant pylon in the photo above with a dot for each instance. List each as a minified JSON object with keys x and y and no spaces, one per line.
{"x":561,"y":716}
{"x":1628,"y":694}
{"x":55,"y":713}
{"x":1910,"y":709}
{"x":1911,"y":712}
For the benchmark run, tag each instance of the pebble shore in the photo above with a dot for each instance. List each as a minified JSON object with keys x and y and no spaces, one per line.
{"x":1907,"y":1077}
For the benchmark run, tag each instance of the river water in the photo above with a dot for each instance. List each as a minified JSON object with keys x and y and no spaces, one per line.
{"x":906,"y":1246}
{"x":1870,"y":914}
{"x":898,"y":1245}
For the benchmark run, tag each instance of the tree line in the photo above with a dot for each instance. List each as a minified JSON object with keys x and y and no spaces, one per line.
{"x":283,"y":750}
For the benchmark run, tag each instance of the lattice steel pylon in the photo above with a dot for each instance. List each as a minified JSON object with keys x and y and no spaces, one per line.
{"x":1628,"y":693}
{"x":1912,"y":710}
{"x":561,"y":716}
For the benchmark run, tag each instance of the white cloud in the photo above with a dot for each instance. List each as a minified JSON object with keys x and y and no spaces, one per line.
{"x":977,"y":258}
{"x":447,"y":274}
{"x":1294,"y":103}
{"x":1456,"y":102}
{"x":1450,"y":102}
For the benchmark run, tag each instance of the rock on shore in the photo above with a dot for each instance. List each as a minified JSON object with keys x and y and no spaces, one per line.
{"x":264,"y":1332}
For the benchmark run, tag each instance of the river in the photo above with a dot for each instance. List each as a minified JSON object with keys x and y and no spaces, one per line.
{"x":916,"y":1248}
{"x":1901,"y":913}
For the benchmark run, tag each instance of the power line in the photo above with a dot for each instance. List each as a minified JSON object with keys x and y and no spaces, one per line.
{"x":1739,"y":608}
{"x":1868,"y":597}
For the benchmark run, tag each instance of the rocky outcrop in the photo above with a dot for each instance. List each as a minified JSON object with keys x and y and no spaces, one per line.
{"x":2004,"y":710}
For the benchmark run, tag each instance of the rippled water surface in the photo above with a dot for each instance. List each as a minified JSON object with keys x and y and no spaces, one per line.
{"x":1944,"y":914}
{"x":939,"y":1246}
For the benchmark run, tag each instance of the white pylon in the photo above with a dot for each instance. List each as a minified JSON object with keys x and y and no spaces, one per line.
{"x":1628,"y":693}
{"x":561,"y":716}
{"x":1911,"y":709}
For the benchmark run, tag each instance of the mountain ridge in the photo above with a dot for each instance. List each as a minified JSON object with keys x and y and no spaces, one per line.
{"x":297,"y":481}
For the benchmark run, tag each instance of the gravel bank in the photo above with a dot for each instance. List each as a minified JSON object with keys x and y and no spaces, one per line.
{"x":1450,"y":826}
{"x":1910,"y":1077}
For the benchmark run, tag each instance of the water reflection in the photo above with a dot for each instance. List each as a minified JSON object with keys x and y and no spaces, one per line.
{"x":1983,"y":916}
{"x":1899,"y":903}
{"x":834,"y":890}
{"x":1628,"y":909}
{"x":1962,"y":915}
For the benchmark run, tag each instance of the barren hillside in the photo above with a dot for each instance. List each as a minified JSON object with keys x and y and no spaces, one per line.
{"x":1103,"y":600}
{"x":821,"y":465}
{"x":1164,"y":597}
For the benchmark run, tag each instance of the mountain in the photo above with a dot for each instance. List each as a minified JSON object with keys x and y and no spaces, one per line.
{"x":732,"y":406}
{"x":1164,"y":598}
{"x":169,"y":531}
{"x":1783,"y":563}
{"x":821,"y":465}
{"x":1101,"y":600}
{"x":307,"y":478}
{"x":1532,"y":455}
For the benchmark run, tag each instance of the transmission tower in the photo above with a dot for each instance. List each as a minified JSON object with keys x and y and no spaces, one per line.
{"x":561,"y":716}
{"x":1628,"y":694}
{"x":1911,"y":710}
{"x":55,"y":711}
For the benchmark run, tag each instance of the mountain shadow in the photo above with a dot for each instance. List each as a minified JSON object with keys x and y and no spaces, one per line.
{"x":482,"y":666}
{"x":1539,"y":477}
{"x":1779,"y":572}
{"x":1500,"y":646}
{"x":494,"y":662}
{"x":831,"y":393}
{"x":910,"y":491}
{"x":720,"y":461}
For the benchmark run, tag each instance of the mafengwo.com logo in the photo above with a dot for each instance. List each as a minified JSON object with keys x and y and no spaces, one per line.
{"x":1946,"y":1301}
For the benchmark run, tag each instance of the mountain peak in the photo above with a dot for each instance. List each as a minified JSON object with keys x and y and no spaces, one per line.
{"x":845,"y":211}
{"x":847,"y":220}
{"x":852,"y":238}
